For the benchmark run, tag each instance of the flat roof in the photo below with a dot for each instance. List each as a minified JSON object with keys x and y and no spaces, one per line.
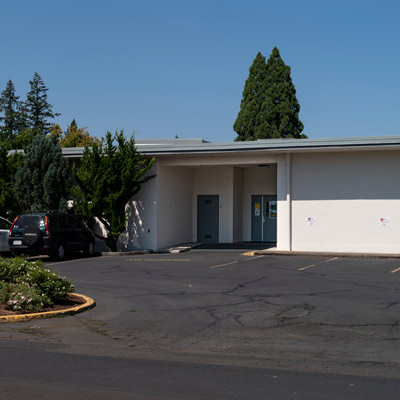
{"x":190,"y":146}
{"x":176,"y":147}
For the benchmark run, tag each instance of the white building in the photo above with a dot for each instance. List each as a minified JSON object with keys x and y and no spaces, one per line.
{"x":336,"y":195}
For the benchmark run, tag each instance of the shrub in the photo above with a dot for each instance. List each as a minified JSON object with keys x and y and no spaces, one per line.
{"x":27,"y":285}
{"x":22,"y":297}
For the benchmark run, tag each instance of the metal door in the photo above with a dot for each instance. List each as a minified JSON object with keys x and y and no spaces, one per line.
{"x":207,"y":218}
{"x":263,"y":218}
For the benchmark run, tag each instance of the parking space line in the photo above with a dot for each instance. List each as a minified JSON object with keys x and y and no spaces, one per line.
{"x":395,"y":270}
{"x":252,"y":258}
{"x":235,"y":262}
{"x":223,"y":265}
{"x":314,"y":265}
{"x":308,"y":266}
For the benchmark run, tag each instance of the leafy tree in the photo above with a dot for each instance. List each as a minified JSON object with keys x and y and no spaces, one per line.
{"x":41,"y":183}
{"x":36,"y":107}
{"x":109,"y":176}
{"x":269,"y":108}
{"x":77,"y":137}
{"x":12,"y":119}
{"x":9,"y":164}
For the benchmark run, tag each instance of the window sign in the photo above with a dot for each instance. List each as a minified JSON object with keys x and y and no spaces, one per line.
{"x":257,"y":209}
{"x":273,"y":209}
{"x":384,"y":221}
{"x":311,"y":221}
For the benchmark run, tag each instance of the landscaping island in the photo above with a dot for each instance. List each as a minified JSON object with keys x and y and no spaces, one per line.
{"x":30,"y":290}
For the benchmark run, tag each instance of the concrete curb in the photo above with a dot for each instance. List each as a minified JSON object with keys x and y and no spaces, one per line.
{"x":181,"y":249}
{"x":89,"y":303}
{"x":323,"y":254}
{"x":125,"y":253}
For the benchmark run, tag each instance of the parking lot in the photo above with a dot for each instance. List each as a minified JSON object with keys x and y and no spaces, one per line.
{"x":225,"y":307}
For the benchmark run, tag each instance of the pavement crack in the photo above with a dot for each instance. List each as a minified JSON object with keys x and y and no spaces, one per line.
{"x":243,"y":285}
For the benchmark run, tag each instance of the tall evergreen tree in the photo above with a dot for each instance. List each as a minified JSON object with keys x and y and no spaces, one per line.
{"x":253,"y":97}
{"x":9,"y":164}
{"x":269,"y":107}
{"x":37,"y":109}
{"x":41,"y":183}
{"x":9,"y":107}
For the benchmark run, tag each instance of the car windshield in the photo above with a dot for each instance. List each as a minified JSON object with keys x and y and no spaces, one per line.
{"x":29,"y":220}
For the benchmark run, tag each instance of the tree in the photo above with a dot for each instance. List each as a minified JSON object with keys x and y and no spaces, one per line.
{"x":9,"y":164}
{"x":41,"y":183}
{"x":10,"y":107}
{"x":253,"y":97}
{"x":36,"y":107}
{"x":269,"y":108}
{"x":77,"y":137}
{"x":109,"y":176}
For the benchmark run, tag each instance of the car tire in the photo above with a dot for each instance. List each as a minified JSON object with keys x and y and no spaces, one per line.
{"x":59,"y":252}
{"x":31,"y":235}
{"x":89,"y":251}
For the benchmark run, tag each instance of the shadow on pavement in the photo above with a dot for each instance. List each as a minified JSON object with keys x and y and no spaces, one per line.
{"x":235,"y":246}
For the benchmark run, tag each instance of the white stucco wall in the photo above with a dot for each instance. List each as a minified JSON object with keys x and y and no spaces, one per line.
{"x":283,"y":187}
{"x":346,"y":194}
{"x":256,"y":180}
{"x":237,"y":204}
{"x":215,"y":181}
{"x":141,"y":231}
{"x":174,"y":211}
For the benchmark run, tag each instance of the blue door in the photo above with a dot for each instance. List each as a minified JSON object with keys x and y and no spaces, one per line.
{"x":207,"y":218}
{"x":263,"y":218}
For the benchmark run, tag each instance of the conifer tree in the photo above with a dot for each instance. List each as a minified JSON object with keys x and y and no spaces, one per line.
{"x":9,"y":107}
{"x":269,"y":107}
{"x":279,"y":117}
{"x":253,"y":97}
{"x":36,"y":107}
{"x":109,"y":175}
{"x":41,"y":182}
{"x":9,"y":207}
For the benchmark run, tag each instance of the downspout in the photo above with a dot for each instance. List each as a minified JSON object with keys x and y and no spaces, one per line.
{"x":288,"y":197}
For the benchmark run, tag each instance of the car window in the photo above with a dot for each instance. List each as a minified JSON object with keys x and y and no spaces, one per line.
{"x":4,"y":224}
{"x":29,"y":220}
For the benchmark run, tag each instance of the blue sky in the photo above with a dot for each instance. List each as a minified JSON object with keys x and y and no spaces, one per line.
{"x":178,"y":67}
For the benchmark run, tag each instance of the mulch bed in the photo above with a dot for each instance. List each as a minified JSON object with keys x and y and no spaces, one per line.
{"x":73,"y":301}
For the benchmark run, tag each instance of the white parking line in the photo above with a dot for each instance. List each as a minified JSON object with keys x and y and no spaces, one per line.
{"x":395,"y":270}
{"x":223,"y":265}
{"x":252,"y":258}
{"x":314,"y":265}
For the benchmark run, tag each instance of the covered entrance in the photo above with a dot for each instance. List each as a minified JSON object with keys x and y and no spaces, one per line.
{"x":263,"y":218}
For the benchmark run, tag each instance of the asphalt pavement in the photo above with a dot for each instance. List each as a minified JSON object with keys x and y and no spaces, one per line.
{"x":215,"y":324}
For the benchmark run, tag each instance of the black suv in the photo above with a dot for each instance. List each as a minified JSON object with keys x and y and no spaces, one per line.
{"x":51,"y":233}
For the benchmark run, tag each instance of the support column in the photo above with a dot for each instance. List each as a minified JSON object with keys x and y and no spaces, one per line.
{"x":284,"y":220}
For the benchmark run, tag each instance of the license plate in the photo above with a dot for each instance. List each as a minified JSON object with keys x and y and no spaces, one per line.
{"x":17,"y":242}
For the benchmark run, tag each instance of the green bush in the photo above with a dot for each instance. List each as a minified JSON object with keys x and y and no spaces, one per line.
{"x":28,"y":286}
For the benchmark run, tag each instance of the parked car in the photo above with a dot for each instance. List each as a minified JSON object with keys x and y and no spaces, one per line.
{"x":51,"y":233}
{"x":5,"y":226}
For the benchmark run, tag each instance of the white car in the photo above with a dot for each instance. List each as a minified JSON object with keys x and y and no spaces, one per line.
{"x":4,"y":232}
